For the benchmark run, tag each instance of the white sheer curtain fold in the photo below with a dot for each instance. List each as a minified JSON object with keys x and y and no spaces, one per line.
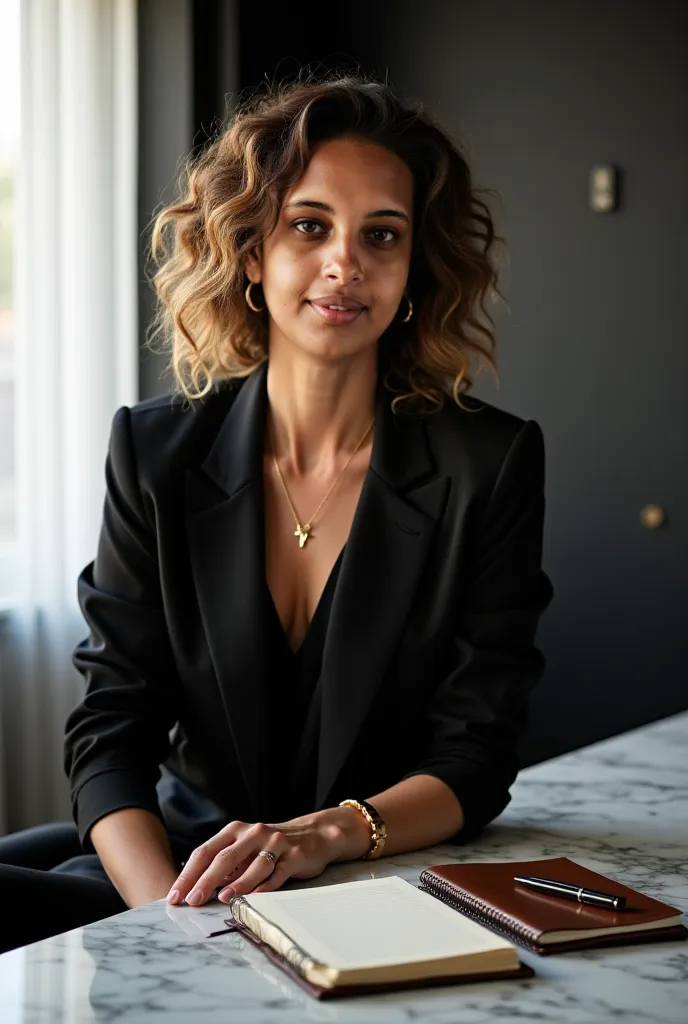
{"x":77,"y":357}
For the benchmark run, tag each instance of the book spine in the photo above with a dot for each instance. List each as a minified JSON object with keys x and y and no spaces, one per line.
{"x":457,"y":898}
{"x":271,"y":935}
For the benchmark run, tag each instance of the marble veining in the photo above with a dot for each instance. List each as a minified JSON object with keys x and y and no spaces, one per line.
{"x":619,"y":807}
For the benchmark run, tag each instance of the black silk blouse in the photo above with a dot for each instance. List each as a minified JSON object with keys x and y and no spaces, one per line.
{"x":294,"y":718}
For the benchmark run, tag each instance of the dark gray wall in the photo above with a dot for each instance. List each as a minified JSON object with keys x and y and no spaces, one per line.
{"x":594,"y":345}
{"x":165,"y":133}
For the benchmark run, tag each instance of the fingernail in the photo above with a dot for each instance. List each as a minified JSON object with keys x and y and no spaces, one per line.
{"x":194,"y":897}
{"x":172,"y":896}
{"x":226,"y":894}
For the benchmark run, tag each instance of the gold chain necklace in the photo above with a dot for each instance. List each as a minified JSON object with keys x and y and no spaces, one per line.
{"x":304,"y":532}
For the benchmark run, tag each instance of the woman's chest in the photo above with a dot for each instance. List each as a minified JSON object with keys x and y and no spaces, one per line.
{"x":302,"y":549}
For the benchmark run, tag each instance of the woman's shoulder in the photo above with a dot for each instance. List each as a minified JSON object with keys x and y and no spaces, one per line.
{"x":175,"y":411}
{"x":478,"y":435}
{"x":171,"y":431}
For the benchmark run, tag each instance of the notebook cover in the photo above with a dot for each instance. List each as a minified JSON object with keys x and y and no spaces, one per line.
{"x":369,"y":989}
{"x":523,"y":915}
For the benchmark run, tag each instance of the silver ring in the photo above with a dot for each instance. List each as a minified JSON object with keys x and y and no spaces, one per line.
{"x":269,"y":855}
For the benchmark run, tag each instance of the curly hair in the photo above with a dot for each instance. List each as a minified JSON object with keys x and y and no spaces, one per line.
{"x":230,"y":197}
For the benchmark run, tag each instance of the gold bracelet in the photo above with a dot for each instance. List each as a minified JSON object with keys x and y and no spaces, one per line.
{"x":378,"y":829}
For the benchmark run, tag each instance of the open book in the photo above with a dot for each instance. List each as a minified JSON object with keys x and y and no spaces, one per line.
{"x":381,"y":933}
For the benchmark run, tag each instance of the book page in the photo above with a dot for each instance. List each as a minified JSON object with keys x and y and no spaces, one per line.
{"x":371,"y":923}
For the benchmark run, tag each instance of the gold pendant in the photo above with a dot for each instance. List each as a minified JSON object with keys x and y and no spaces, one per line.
{"x":303,"y":533}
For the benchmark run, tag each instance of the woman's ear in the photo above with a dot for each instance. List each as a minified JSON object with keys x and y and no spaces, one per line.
{"x":254,"y":271}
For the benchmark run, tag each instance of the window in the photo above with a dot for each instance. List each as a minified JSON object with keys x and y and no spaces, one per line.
{"x":9,"y":160}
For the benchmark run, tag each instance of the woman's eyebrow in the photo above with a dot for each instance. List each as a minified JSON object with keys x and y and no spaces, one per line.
{"x":313,"y":204}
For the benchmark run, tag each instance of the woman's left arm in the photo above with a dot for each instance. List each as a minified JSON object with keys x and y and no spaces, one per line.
{"x":470,"y":731}
{"x":480,"y":709}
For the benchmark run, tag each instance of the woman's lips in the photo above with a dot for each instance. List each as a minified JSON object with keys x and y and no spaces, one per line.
{"x":337,"y":316}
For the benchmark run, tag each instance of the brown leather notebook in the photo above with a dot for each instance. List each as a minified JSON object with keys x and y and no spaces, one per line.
{"x":549,"y":924}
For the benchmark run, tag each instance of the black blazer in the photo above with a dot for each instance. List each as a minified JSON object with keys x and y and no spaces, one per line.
{"x":429,"y":656}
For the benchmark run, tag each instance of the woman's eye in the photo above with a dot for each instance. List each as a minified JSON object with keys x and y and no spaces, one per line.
{"x":390,"y":235}
{"x":306,"y":226}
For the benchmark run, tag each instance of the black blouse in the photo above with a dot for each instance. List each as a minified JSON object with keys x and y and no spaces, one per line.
{"x":294,"y":717}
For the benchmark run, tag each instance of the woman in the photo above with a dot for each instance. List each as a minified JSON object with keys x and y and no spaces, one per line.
{"x":318,"y":579}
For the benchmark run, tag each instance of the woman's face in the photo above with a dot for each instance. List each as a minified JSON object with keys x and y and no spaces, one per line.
{"x":343,"y":238}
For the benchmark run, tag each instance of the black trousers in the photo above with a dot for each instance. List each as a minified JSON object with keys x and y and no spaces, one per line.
{"x":49,"y":885}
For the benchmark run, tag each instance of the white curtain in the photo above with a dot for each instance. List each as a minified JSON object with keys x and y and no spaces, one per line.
{"x":76,"y":232}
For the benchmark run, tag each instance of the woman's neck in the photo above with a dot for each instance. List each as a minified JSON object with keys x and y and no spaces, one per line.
{"x":318,"y":411}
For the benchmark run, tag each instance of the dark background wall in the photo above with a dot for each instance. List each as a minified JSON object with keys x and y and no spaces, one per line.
{"x":594,"y":345}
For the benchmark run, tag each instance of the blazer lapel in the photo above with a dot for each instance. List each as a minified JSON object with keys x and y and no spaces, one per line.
{"x":226,"y":538}
{"x":401,"y":500}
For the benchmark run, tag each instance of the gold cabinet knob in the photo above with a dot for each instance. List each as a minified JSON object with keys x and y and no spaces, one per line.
{"x":652,"y":517}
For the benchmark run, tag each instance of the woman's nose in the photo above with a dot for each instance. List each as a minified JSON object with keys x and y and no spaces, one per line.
{"x":343,"y":261}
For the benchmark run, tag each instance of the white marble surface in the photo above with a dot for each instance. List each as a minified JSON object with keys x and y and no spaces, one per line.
{"x":619,"y":807}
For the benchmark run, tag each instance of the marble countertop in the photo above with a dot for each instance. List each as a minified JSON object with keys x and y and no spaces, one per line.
{"x":619,"y":807}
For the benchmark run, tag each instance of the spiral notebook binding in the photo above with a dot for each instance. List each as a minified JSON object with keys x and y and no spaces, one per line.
{"x":459,"y":899}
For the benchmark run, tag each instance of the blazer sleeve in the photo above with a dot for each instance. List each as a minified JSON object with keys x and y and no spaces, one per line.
{"x":118,"y":736}
{"x":480,"y":708}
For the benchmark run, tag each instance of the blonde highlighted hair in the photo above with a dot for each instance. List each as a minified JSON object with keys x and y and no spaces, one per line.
{"x":230,"y":197}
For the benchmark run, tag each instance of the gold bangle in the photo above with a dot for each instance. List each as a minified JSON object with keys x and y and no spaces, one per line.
{"x":378,"y":829}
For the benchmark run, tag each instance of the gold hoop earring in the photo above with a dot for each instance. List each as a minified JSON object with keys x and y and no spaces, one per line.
{"x":249,"y":303}
{"x":410,"y":311}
